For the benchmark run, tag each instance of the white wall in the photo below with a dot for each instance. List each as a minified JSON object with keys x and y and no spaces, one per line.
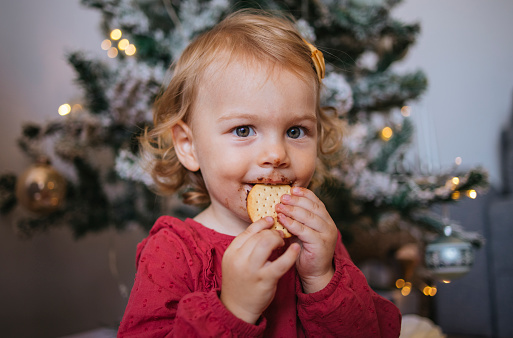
{"x":51,"y":285}
{"x":35,"y":78}
{"x":465,"y":48}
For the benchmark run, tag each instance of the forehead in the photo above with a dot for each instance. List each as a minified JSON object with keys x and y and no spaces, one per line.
{"x":250,"y":74}
{"x":249,"y":88}
{"x":223,"y":58}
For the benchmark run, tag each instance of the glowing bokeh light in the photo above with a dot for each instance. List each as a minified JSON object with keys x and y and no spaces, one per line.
{"x":455,"y":195}
{"x":472,"y":194}
{"x":123,"y":43}
{"x":455,"y":180}
{"x":406,"y":111}
{"x":130,"y":50}
{"x":64,"y":109}
{"x":116,"y":34}
{"x":106,"y":44}
{"x":76,"y":107}
{"x":458,"y":160}
{"x":386,"y":133}
{"x":113,"y":52}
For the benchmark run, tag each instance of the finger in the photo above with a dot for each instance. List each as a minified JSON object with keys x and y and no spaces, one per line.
{"x":306,"y":199}
{"x":262,"y":245}
{"x":296,"y":228}
{"x":251,"y":253}
{"x":302,"y":215}
{"x":282,"y":264}
{"x":251,"y":230}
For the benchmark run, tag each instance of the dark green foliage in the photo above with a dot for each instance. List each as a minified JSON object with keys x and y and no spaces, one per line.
{"x":31,"y":130}
{"x":7,"y":195}
{"x":92,"y":77}
{"x":401,"y":138}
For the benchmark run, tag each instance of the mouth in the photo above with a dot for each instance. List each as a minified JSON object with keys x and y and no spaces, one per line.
{"x":268,"y":181}
{"x":272,"y":181}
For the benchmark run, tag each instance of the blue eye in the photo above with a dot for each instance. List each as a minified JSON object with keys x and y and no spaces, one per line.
{"x":244,"y":131}
{"x":296,"y":132}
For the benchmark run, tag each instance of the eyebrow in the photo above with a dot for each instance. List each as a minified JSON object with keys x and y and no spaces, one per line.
{"x":247,"y":116}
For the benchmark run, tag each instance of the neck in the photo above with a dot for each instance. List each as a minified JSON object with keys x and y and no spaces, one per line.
{"x":221,"y":221}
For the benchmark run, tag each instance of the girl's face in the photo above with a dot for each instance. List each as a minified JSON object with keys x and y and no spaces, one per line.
{"x":252,"y":125}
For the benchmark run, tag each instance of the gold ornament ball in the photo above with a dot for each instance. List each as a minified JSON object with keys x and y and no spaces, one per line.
{"x":41,"y":188}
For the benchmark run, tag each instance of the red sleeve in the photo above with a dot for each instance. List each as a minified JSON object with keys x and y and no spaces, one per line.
{"x":168,"y":299}
{"x":347,"y":306}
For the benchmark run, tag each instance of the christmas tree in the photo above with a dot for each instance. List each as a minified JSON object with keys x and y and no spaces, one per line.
{"x":377,"y":185}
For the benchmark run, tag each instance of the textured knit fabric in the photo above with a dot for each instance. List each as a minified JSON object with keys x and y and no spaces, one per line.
{"x":178,"y":280}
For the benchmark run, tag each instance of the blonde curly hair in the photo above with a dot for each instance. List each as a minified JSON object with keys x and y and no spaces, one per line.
{"x":249,"y":34}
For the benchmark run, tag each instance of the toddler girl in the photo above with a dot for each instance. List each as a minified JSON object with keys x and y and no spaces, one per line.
{"x":243,"y":108}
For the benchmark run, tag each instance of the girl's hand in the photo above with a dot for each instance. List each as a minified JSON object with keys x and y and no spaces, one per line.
{"x":305,"y":216}
{"x":249,"y":279}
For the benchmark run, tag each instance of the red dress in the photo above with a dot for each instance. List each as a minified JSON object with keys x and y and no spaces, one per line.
{"x":178,"y":279}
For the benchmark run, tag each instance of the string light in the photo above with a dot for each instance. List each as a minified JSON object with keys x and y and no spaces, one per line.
{"x":76,"y":107}
{"x":404,"y":286}
{"x":64,"y":109}
{"x":123,"y":44}
{"x":406,"y":111}
{"x":116,"y":34}
{"x":429,"y":290}
{"x":458,"y":160}
{"x":407,"y":286}
{"x":472,"y":194}
{"x":130,"y":50}
{"x":106,"y":44}
{"x":113,"y":52}
{"x":455,"y":180}
{"x":405,"y":291}
{"x":386,"y":133}
{"x":455,"y":195}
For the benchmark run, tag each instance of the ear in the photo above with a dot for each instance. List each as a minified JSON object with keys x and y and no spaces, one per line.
{"x":184,"y":146}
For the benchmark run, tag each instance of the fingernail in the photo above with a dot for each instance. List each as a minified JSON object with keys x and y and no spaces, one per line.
{"x":286,"y":198}
{"x":282,"y":218}
{"x":295,"y":190}
{"x":296,"y":247}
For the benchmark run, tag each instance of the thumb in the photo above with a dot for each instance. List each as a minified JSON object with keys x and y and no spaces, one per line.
{"x":282,"y":264}
{"x":252,"y":229}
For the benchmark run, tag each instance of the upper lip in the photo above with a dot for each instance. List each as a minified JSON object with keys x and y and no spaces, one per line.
{"x":271,"y":181}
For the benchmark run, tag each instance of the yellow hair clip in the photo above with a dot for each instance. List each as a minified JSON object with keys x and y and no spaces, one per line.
{"x":318,"y":60}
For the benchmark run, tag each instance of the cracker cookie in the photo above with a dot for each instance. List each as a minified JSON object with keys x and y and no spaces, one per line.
{"x":262,"y":200}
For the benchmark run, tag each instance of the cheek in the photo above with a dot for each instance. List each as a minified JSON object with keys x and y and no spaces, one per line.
{"x":307,"y":163}
{"x":222,"y":162}
{"x":232,"y":155}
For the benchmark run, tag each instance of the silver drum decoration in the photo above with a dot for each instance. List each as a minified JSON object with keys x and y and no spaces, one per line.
{"x":449,"y":257}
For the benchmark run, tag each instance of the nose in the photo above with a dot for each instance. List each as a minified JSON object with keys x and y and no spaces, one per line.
{"x":274,"y":154}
